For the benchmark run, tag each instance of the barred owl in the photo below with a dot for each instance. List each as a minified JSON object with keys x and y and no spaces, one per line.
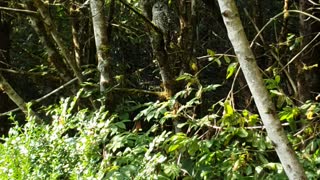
{"x":160,"y":16}
{"x":165,"y":19}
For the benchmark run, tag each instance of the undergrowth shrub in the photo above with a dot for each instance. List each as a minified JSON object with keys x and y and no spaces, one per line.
{"x":86,"y":144}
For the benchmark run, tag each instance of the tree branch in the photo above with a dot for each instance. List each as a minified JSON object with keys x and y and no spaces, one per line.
{"x":23,"y":11}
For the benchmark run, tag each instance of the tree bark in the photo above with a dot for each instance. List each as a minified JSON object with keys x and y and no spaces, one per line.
{"x":259,"y":92}
{"x":75,"y":28}
{"x":52,"y":30}
{"x":159,"y":51}
{"x":188,"y":22}
{"x":54,"y":58}
{"x":100,"y":35}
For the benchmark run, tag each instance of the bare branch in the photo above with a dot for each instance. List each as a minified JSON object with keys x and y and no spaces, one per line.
{"x":23,"y":11}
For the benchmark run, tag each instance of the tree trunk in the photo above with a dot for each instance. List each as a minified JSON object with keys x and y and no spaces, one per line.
{"x":75,"y":28}
{"x":102,"y":41}
{"x":54,"y":57}
{"x":50,"y":26}
{"x":159,"y":50}
{"x":188,"y":23}
{"x":161,"y":55}
{"x":259,"y":92}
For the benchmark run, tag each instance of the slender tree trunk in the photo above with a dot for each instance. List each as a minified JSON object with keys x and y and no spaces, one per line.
{"x":102,"y":41}
{"x":159,"y":50}
{"x":259,"y":92}
{"x":100,"y":35}
{"x":75,"y":20}
{"x":54,"y":57}
{"x":50,"y":26}
{"x":188,"y":24}
{"x":303,"y":91}
{"x":161,"y":55}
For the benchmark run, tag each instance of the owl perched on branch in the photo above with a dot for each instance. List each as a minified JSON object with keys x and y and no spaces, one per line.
{"x":160,"y":16}
{"x":164,"y":19}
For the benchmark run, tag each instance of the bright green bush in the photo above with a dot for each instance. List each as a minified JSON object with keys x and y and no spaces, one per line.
{"x":87,"y":144}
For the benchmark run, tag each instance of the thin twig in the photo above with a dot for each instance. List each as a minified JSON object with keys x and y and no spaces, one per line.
{"x":278,"y":15}
{"x":23,"y":72}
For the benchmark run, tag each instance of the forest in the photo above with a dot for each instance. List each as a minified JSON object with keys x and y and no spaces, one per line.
{"x":159,"y":89}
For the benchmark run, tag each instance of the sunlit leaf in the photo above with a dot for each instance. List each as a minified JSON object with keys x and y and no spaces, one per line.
{"x":211,"y":52}
{"x":231,"y":69}
{"x":276,"y":92}
{"x":228,"y":109}
{"x":173,"y":147}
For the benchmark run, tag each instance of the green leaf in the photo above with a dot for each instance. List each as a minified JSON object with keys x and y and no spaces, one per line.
{"x":186,"y":77}
{"x":193,"y":148}
{"x":211,"y":52}
{"x":121,"y":125}
{"x":262,"y":159}
{"x":231,"y":69}
{"x":150,"y":115}
{"x":249,"y":170}
{"x":124,"y":116}
{"x":276,"y":92}
{"x":228,"y":110}
{"x":171,"y":170}
{"x":262,"y":145}
{"x":273,"y":166}
{"x":228,"y":137}
{"x":242,"y":133}
{"x":173,"y":147}
{"x":277,"y":79}
{"x":217,"y":61}
{"x":227,"y":59}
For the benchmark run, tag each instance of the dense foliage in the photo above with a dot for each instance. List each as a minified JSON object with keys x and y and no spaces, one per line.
{"x":200,"y":124}
{"x":98,"y":145}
